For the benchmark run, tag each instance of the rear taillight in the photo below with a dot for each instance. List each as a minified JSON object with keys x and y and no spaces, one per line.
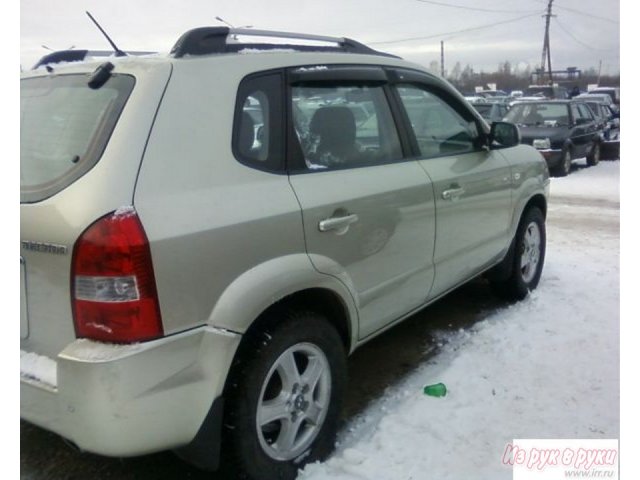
{"x":112,"y":282}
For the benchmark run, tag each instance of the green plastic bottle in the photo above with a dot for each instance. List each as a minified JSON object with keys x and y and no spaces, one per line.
{"x":436,"y":390}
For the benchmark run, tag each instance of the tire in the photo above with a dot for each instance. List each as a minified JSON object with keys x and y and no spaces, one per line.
{"x":285,"y":397}
{"x":524,"y":263}
{"x":565,"y":165}
{"x":594,"y":156}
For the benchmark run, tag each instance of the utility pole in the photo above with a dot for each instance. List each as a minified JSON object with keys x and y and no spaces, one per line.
{"x":599,"y":71}
{"x":442,"y":59}
{"x":546,"y":48}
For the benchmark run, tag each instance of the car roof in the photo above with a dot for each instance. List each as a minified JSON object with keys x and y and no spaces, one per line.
{"x":542,"y":100}
{"x":209,"y":41}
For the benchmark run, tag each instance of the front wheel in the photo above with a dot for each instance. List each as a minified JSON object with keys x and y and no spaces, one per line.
{"x":286,"y":395}
{"x":565,"y":164}
{"x":526,"y":259}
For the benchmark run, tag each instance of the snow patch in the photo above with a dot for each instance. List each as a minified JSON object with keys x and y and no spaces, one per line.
{"x":91,"y":350}
{"x":545,"y":367}
{"x":124,"y":211}
{"x":270,"y":50}
{"x":39,"y":368}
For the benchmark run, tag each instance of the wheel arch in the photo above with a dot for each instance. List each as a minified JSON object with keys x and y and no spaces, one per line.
{"x":568,"y":145}
{"x":538,"y":201}
{"x":257,"y":293}
{"x":320,"y":300}
{"x":502,"y":270}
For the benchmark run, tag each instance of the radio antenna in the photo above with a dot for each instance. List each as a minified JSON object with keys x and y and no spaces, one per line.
{"x":118,"y":52}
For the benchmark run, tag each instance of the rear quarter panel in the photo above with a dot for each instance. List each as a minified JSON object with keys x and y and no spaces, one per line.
{"x":226,"y":239}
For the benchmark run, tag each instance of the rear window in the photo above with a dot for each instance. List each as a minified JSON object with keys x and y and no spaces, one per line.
{"x":64,"y":128}
{"x":539,"y":114}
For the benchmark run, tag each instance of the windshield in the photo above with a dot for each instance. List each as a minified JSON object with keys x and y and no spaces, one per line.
{"x":539,"y":114}
{"x":64,"y":127}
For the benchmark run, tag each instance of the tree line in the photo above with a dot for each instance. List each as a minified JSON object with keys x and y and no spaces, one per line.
{"x":508,"y":78}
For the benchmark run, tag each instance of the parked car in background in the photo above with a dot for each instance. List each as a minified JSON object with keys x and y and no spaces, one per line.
{"x":613,"y":92}
{"x":491,"y":111}
{"x":547,"y":91}
{"x":610,"y":124}
{"x":206,"y":235}
{"x":517,"y":93}
{"x":492,"y":93}
{"x":475,"y":99}
{"x":600,"y":98}
{"x":498,"y":99}
{"x":606,"y":119}
{"x":561,"y":130}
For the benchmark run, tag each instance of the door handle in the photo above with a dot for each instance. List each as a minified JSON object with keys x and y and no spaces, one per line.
{"x":340,"y":224}
{"x":452,"y":193}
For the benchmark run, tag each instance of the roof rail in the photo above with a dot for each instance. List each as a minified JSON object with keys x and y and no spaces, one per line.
{"x":62,"y":56}
{"x":208,"y":40}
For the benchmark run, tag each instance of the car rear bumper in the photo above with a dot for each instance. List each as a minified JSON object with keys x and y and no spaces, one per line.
{"x":126,"y":400}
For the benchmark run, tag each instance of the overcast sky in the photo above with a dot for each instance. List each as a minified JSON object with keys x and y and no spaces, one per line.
{"x":482,"y":34}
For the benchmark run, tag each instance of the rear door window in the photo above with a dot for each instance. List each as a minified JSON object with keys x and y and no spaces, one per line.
{"x":344,"y":125}
{"x":585,"y":112}
{"x":64,"y":128}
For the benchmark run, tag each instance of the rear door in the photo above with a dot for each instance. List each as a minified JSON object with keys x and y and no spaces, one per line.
{"x":368,"y":212}
{"x":472,"y":184}
{"x":584,"y":131}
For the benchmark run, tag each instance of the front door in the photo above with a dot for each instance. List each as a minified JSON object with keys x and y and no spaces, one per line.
{"x":472,"y":185}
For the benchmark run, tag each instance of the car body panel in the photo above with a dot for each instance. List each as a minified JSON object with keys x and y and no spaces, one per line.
{"x":228,"y":241}
{"x":472,"y":226}
{"x":124,"y":400}
{"x":61,"y":219}
{"x":396,"y":198}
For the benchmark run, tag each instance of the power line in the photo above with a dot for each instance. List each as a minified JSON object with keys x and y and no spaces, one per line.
{"x":464,"y":7}
{"x":444,"y":34}
{"x":588,"y":15}
{"x":568,"y":32}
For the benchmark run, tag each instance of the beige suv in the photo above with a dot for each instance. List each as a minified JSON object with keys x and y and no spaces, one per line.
{"x":206,"y":236}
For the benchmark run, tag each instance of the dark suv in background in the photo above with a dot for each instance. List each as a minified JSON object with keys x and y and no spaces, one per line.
{"x":562,"y":130}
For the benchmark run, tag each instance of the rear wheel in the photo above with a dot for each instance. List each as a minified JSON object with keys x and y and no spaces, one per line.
{"x":285,"y":396}
{"x":524,"y":264}
{"x":594,"y":156}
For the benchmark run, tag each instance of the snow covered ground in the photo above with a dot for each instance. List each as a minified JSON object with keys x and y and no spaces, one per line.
{"x":547,"y":367}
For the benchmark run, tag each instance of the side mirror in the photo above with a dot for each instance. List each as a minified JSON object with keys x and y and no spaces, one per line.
{"x":503,"y":135}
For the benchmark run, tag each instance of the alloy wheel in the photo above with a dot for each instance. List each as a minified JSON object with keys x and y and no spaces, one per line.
{"x":293,"y":402}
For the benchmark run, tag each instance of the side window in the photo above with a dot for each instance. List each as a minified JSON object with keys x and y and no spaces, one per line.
{"x":438,"y":127}
{"x":257,"y":139}
{"x":345,"y":125}
{"x":575,"y":112}
{"x":584,"y":111}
